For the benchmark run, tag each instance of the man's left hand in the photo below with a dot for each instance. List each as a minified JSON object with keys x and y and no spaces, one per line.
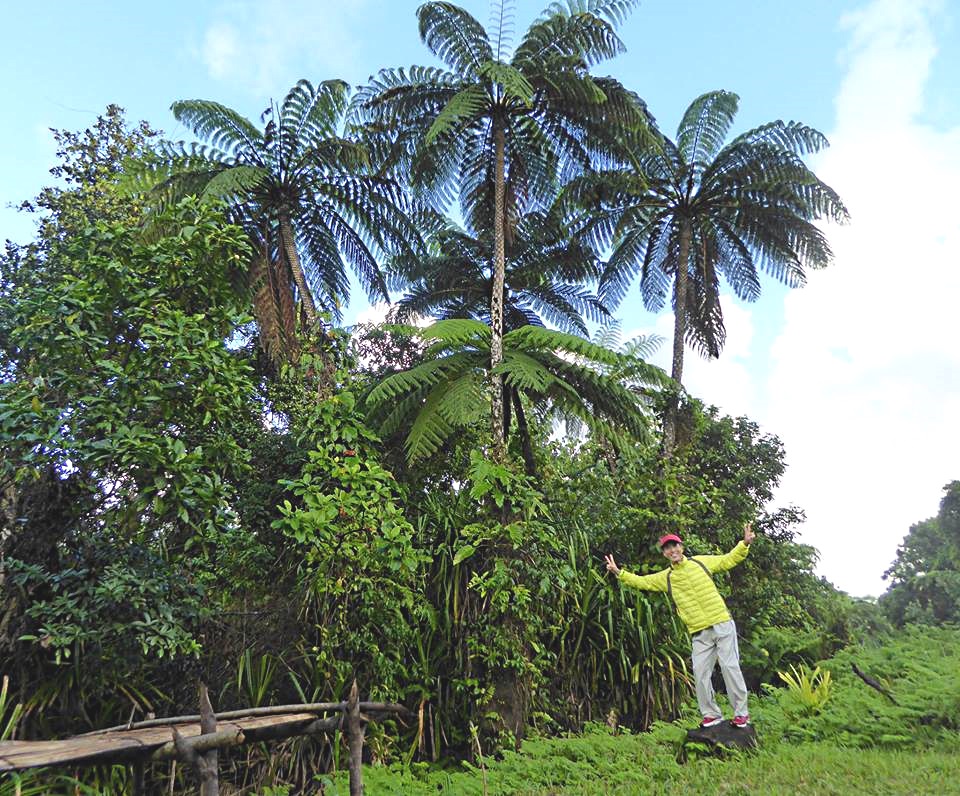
{"x":748,"y":534}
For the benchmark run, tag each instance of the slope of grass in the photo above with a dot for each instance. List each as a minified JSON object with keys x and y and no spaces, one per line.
{"x":860,"y":742}
{"x":598,"y":762}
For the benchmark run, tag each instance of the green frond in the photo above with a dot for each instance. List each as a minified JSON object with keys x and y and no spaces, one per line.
{"x":430,"y":430}
{"x":586,"y":31}
{"x":309,"y":113}
{"x":705,"y":125}
{"x":221,"y":126}
{"x":614,"y":11}
{"x":462,"y":110}
{"x":537,"y":338}
{"x":501,"y":26}
{"x":791,"y":136}
{"x":234,"y":182}
{"x":175,"y":171}
{"x":524,"y":372}
{"x":511,"y":80}
{"x":394,"y":416}
{"x":435,"y":398}
{"x":643,"y":347}
{"x":457,"y":332}
{"x":454,"y":36}
{"x":423,"y":376}
{"x":402,"y":96}
{"x":448,"y":406}
{"x":609,"y":335}
{"x":464,"y":400}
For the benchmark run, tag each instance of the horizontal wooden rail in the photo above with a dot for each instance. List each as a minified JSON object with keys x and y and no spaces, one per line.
{"x":196,"y":740}
{"x":269,"y":710}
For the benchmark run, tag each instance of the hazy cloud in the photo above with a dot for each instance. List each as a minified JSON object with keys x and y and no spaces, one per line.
{"x":266,"y":46}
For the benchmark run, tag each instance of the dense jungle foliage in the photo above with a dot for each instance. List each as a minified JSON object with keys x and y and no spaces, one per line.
{"x":204,"y":478}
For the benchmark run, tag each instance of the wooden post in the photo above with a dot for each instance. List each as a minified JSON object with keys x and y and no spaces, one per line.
{"x":355,"y":733}
{"x":136,"y":772}
{"x":207,"y":762}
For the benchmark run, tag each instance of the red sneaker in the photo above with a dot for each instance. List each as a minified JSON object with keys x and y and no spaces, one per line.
{"x":710,"y":721}
{"x":741,"y":721}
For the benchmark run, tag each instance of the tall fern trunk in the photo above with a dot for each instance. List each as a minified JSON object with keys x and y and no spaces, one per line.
{"x":679,"y":332}
{"x":529,"y":461}
{"x":289,"y":244}
{"x":273,"y":307}
{"x":496,"y":298}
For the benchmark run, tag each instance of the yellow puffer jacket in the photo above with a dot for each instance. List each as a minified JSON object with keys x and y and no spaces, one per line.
{"x":697,"y":599}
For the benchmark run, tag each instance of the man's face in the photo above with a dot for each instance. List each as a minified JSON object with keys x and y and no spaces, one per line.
{"x":672,"y":551}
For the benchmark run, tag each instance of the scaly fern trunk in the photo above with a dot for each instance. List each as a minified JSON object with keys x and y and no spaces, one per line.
{"x":273,"y":307}
{"x":679,"y":331}
{"x":289,"y":244}
{"x":496,"y":298}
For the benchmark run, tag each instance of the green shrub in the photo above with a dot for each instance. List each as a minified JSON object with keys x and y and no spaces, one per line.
{"x":809,"y":690}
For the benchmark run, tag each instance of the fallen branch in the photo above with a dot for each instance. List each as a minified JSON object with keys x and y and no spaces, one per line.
{"x":874,"y":684}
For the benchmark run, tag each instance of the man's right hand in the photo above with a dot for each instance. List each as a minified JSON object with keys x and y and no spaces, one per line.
{"x":611,"y":564}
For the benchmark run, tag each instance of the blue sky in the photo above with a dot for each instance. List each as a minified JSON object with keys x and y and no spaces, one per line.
{"x":857,"y":372}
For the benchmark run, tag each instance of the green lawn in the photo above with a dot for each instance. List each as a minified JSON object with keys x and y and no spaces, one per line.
{"x":600,"y":763}
{"x":857,"y":742}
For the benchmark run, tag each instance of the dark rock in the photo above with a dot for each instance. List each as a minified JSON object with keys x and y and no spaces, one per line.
{"x":724,"y":736}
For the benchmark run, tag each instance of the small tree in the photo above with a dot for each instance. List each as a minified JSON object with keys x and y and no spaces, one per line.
{"x":925,"y":577}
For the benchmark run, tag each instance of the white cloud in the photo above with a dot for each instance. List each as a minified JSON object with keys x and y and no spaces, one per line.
{"x":266,"y":46}
{"x":373,"y":313}
{"x":220,"y":49}
{"x":865,"y":381}
{"x":727,"y":382}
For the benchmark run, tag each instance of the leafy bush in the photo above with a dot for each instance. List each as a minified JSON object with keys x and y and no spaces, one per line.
{"x":920,"y":668}
{"x":358,"y":561}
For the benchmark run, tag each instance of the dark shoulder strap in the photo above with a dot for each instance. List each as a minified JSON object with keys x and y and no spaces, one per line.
{"x":695,"y":561}
{"x":702,"y":566}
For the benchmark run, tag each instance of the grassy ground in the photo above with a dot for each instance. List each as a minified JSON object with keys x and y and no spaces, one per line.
{"x":854,"y":741}
{"x":598,"y":763}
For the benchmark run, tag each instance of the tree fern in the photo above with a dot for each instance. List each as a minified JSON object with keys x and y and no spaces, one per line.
{"x":744,"y":206}
{"x":308,"y":194}
{"x":501,"y":132}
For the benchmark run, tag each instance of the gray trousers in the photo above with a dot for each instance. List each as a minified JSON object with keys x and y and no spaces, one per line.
{"x":718,"y":643}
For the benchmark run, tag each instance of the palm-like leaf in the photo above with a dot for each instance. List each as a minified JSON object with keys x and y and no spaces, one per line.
{"x":546,"y":370}
{"x":545,"y":272}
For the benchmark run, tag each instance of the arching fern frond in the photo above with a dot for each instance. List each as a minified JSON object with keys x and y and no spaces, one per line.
{"x":705,"y":125}
{"x":223,"y":127}
{"x":454,"y":36}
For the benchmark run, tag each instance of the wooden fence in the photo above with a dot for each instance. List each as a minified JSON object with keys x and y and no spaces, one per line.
{"x":196,"y":740}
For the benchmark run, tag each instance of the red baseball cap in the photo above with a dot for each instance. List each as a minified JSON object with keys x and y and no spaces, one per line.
{"x":670,"y":537}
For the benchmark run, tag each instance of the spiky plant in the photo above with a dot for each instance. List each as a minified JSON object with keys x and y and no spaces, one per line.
{"x":501,"y":130}
{"x":306,"y":192}
{"x":541,"y":369}
{"x":544,"y":280}
{"x":696,"y":210}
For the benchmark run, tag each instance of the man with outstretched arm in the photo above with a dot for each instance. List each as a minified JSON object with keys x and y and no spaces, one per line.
{"x":689,"y":583}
